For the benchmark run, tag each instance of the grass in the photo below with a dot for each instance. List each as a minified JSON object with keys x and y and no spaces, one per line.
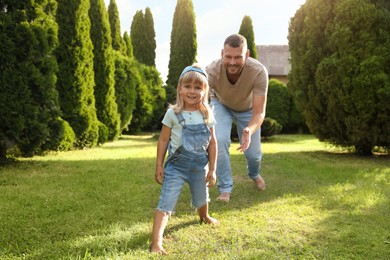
{"x":320,"y":203}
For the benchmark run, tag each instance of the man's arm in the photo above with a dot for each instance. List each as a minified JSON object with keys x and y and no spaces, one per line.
{"x":258,"y":115}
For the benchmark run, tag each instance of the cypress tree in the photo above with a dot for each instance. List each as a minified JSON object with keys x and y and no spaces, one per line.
{"x":29,"y":104}
{"x":115,"y":26}
{"x":104,"y":68}
{"x":150,"y":39}
{"x":125,"y":88}
{"x":183,"y":48}
{"x":144,"y":100}
{"x":76,"y":76}
{"x":138,"y":36}
{"x":128,"y":44}
{"x":143,"y":37}
{"x":246,"y":30}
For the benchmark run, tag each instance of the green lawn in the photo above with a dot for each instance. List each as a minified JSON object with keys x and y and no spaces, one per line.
{"x":320,"y":203}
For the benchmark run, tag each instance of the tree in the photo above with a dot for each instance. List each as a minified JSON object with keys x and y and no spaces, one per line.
{"x":340,"y":77}
{"x":104,"y":68}
{"x":153,"y":80}
{"x":278,"y":102}
{"x":142,"y":36}
{"x":183,"y":48}
{"x":144,"y":100}
{"x":137,"y":36}
{"x":246,"y":30}
{"x":76,"y":76}
{"x":150,"y":40}
{"x":125,"y":88}
{"x":29,"y":105}
{"x":128,"y":44}
{"x":115,"y":26}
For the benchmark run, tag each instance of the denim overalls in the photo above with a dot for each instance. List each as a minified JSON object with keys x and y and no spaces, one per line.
{"x":189,"y":163}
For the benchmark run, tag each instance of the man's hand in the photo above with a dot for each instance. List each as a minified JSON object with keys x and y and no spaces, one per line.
{"x":245,"y":140}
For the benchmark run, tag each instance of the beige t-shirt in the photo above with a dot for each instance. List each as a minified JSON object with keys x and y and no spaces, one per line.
{"x":253,"y":81}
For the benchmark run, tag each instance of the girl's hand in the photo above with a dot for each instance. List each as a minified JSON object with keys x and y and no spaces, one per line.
{"x":211,"y":179}
{"x":159,"y":176}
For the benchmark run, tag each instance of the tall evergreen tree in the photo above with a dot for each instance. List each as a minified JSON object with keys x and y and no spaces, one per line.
{"x":143,"y":37}
{"x":183,"y":48}
{"x":138,"y":36}
{"x":125,"y":83}
{"x":150,"y":40}
{"x":29,"y":104}
{"x":104,"y":67}
{"x":125,"y":88}
{"x":115,"y":26}
{"x":340,"y":76}
{"x":246,"y":30}
{"x":128,"y":44}
{"x":76,"y":78}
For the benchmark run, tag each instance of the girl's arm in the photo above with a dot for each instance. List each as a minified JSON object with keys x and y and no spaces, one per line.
{"x":162,"y":147}
{"x":211,"y":177}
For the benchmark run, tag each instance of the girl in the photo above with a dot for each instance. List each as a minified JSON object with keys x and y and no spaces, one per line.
{"x":188,"y":135}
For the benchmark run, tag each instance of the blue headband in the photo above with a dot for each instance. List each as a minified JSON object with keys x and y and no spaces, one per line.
{"x":190,"y":68}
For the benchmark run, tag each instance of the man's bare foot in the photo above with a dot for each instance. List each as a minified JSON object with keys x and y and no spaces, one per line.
{"x":260,"y":183}
{"x":210,"y":220}
{"x":157,"y":249}
{"x":224,"y":196}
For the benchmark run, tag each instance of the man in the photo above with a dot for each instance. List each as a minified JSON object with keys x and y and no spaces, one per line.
{"x":239,"y":86}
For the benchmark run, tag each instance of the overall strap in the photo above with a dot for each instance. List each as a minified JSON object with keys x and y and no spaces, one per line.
{"x":181,"y":119}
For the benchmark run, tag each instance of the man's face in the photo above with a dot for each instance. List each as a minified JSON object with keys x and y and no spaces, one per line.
{"x":234,"y":59}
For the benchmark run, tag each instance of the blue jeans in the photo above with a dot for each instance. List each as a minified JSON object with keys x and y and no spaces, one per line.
{"x":224,"y":117}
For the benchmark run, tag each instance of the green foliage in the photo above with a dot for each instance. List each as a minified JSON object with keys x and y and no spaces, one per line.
{"x":145,"y":101}
{"x":76,"y":76}
{"x":150,"y":39}
{"x":153,"y":80}
{"x":246,"y":30}
{"x":270,"y":127}
{"x":340,"y":77}
{"x":281,"y":107}
{"x":278,"y":102}
{"x":62,"y":136}
{"x":115,"y":26}
{"x":29,"y":99}
{"x":104,"y":68}
{"x":103,"y":133}
{"x":128,"y":44}
{"x":125,"y":87}
{"x":143,"y":37}
{"x":183,"y":48}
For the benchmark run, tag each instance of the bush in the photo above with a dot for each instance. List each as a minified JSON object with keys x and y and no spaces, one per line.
{"x":270,"y":127}
{"x":103,"y":133}
{"x":62,"y":136}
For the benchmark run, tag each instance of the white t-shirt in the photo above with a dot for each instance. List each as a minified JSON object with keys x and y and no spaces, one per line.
{"x":191,"y":117}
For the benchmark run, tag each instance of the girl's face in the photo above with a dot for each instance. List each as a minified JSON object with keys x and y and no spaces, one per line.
{"x":192,"y":94}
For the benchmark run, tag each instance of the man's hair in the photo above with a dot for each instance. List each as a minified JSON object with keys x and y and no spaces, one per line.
{"x":235,"y":40}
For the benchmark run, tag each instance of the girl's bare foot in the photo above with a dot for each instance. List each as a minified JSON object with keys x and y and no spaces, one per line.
{"x":157,"y":249}
{"x":210,"y":220}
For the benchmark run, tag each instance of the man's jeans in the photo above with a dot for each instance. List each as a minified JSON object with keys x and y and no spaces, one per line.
{"x":224,"y":117}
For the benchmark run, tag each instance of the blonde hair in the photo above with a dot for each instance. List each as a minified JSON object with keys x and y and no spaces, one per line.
{"x":189,"y":76}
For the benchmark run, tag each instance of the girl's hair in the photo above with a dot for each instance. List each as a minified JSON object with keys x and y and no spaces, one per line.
{"x":189,"y":74}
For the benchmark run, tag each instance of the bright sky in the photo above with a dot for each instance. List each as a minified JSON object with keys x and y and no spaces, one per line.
{"x":215,"y":20}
